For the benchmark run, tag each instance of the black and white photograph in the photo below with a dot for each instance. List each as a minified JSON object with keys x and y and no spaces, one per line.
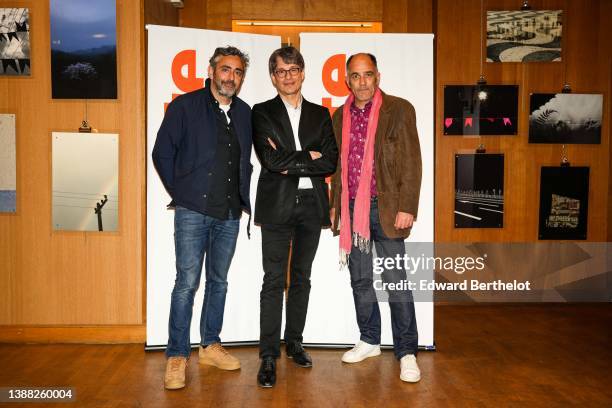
{"x":15,"y":41}
{"x":479,"y":190}
{"x":83,"y":49}
{"x":564,"y":203}
{"x":565,"y":118}
{"x":480,"y":109}
{"x":524,"y":35}
{"x":85,"y":179}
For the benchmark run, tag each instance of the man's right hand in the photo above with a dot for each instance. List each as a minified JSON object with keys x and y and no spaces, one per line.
{"x":315,"y":155}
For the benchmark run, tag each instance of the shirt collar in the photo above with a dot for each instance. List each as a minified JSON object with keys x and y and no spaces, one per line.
{"x":366,"y":108}
{"x":290,"y":107}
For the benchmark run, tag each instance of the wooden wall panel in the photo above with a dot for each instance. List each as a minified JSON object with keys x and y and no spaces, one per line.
{"x":355,"y":10}
{"x":585,"y":66}
{"x":74,"y":278}
{"x":408,"y":16}
{"x":420,"y":16}
{"x":193,"y":14}
{"x":292,"y":34}
{"x":309,"y":10}
{"x":395,"y":16}
{"x":210,"y":14}
{"x":160,"y":12}
{"x":268,"y":10}
{"x":219,"y":15}
{"x":605,"y":70}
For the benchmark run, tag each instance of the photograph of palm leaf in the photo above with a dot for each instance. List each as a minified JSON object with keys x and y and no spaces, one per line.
{"x":565,"y":118}
{"x":524,"y":35}
{"x":479,"y":190}
{"x":14,"y":41}
{"x":480,"y":109}
{"x":564,"y":202}
{"x":83,"y":49}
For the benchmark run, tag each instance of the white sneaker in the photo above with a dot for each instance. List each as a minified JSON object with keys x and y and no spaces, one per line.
{"x":409,"y":369}
{"x":360,"y":352}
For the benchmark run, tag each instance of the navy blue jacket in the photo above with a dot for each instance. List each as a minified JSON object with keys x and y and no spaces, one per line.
{"x":184,"y":152}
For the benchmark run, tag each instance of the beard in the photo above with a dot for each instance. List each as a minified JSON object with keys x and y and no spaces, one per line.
{"x":225,"y":88}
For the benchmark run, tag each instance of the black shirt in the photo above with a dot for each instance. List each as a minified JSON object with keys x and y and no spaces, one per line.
{"x":224,"y":193}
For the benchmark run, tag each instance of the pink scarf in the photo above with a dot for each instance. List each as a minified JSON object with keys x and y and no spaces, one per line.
{"x":360,"y":236}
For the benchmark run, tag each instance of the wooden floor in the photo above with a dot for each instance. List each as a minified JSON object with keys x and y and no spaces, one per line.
{"x":534,"y":355}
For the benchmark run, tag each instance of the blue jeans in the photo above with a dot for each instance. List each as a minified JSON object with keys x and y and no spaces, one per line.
{"x":403,"y":319}
{"x":195,"y":235}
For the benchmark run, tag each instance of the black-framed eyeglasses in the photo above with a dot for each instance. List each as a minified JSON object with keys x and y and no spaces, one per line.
{"x":282,"y":73}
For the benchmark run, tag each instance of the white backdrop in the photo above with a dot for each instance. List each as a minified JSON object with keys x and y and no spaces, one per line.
{"x":331,"y":316}
{"x":405,"y":62}
{"x":241,"y":322}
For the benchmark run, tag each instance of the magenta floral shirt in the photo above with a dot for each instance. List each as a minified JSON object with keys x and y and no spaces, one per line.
{"x":359,"y":129}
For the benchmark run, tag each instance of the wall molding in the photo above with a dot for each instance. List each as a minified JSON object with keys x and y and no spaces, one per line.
{"x":108,"y":334}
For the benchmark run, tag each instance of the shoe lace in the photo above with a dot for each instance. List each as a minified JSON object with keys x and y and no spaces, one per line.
{"x":219,"y":348}
{"x":297,"y":347}
{"x":175,"y":364}
{"x":268,"y":364}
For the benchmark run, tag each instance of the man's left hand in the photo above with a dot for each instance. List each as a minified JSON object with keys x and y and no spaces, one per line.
{"x":403,"y":220}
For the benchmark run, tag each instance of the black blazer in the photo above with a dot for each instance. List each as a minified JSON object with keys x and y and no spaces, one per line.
{"x":275,"y":191}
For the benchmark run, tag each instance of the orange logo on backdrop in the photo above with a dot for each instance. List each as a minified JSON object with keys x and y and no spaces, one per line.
{"x":185,"y":83}
{"x":336,"y":87}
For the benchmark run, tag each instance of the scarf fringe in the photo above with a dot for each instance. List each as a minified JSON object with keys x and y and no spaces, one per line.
{"x":360,"y":242}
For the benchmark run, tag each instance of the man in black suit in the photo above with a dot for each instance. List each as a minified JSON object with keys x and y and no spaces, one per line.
{"x":295,"y":143}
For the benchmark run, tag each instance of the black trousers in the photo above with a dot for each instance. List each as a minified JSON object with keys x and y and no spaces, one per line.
{"x":303,"y":233}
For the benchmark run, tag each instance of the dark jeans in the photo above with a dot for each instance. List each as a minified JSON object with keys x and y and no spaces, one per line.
{"x":302,"y":233}
{"x":403,"y":320}
{"x":195,"y":235}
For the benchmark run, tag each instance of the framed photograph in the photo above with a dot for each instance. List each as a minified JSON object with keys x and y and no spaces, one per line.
{"x":480,"y":109}
{"x":15,"y":41}
{"x":83,"y":49}
{"x":524,"y":35}
{"x":479,"y":190}
{"x":85,"y":180}
{"x":8,"y":164}
{"x":565,"y":118}
{"x":564,"y":203}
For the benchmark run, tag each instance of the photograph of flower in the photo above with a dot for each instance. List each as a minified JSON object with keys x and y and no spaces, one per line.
{"x":83,"y":49}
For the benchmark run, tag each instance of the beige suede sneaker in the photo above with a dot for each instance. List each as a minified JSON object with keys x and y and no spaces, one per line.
{"x":175,"y":373}
{"x":216,"y":355}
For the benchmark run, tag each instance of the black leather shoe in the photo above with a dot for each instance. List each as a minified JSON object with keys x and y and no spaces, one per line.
{"x":297,"y":353}
{"x":266,"y":377}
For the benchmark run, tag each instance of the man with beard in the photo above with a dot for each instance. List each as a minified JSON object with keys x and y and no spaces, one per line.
{"x":294,"y":141}
{"x":202,"y":154}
